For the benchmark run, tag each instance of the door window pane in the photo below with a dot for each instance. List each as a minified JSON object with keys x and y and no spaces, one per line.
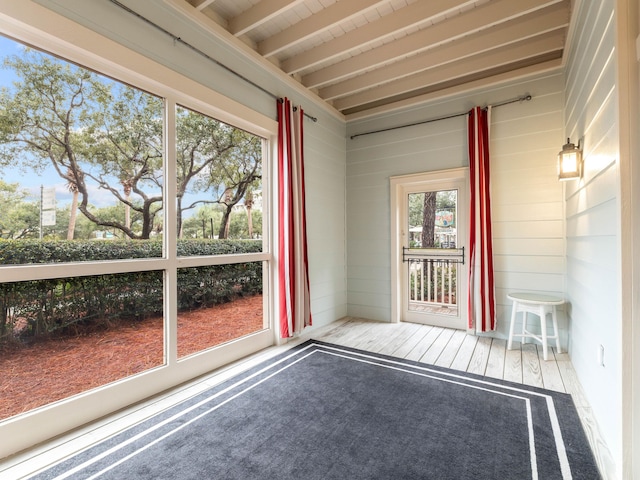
{"x":432,"y":219}
{"x":433,"y":276}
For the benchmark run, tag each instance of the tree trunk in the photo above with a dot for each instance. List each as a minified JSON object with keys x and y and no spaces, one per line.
{"x":429,"y":220}
{"x":249,"y":222}
{"x":248,"y":203}
{"x":223,"y":231}
{"x":127,"y":215}
{"x":127,"y":184}
{"x":73,"y":216}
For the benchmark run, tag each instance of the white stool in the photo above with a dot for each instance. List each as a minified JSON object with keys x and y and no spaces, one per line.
{"x":539,"y":305}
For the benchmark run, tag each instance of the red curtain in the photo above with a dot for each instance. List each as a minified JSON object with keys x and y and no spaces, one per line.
{"x":482,"y":304}
{"x":293,"y":269}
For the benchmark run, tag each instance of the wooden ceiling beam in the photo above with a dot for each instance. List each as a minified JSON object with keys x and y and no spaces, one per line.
{"x":317,"y":23}
{"x":487,"y":61}
{"x":258,"y":14}
{"x":201,"y":4}
{"x":443,"y":91}
{"x":482,"y":17}
{"x":203,"y":7}
{"x":528,"y":27}
{"x":402,"y":19}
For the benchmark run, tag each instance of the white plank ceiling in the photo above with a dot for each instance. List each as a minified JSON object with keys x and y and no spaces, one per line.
{"x":359,"y":55}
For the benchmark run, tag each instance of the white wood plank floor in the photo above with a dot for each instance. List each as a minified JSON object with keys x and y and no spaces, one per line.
{"x":433,"y":345}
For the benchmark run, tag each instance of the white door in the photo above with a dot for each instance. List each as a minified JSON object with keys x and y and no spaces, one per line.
{"x":430,"y":260}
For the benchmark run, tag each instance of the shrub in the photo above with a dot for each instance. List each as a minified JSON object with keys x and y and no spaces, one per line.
{"x":40,"y":307}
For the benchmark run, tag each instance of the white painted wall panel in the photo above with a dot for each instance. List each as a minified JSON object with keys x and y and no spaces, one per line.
{"x":530,"y":247}
{"x":537,"y":173}
{"x":551,"y":264}
{"x":527,"y":203}
{"x":517,"y":194}
{"x":538,"y":212}
{"x":593,"y":215}
{"x":546,"y":229}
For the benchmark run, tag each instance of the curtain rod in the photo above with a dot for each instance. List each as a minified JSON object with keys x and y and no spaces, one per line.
{"x":177,"y":39}
{"x":520,"y":99}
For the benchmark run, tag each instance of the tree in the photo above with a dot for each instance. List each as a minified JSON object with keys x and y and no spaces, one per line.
{"x":239,"y":170}
{"x":238,"y":226}
{"x":82,"y":230}
{"x":126,"y":150}
{"x":201,"y":141}
{"x":424,"y":209}
{"x":89,"y":129}
{"x":40,"y":121}
{"x":217,"y":159}
{"x":428,"y":236}
{"x":98,"y":134}
{"x":20,"y":218}
{"x":202,"y":223}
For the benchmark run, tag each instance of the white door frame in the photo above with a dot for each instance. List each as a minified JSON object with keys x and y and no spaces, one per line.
{"x":399,"y":187}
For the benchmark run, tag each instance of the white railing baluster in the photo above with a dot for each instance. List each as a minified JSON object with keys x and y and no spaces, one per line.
{"x":450,"y":289}
{"x":429,"y":276}
{"x":424,"y":275}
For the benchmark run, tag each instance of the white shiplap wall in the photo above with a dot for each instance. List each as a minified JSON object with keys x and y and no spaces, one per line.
{"x":528,"y":226}
{"x":593,"y":213}
{"x":527,"y":198}
{"x":371,"y":160}
{"x":326,"y":226}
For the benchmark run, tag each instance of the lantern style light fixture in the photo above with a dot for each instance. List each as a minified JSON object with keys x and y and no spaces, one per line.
{"x":570,"y":161}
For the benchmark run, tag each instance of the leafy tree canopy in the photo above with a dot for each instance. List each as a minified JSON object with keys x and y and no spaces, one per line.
{"x":98,"y":134}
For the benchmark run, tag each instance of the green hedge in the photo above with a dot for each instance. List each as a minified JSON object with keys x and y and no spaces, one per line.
{"x":40,"y":307}
{"x":19,"y":252}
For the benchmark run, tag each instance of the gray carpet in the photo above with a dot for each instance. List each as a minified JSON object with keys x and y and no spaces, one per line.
{"x":321,"y":411}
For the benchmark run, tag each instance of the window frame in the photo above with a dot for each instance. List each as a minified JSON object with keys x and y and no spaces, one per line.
{"x":35,"y":25}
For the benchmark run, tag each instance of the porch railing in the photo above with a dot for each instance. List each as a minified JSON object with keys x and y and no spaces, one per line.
{"x":433,"y":275}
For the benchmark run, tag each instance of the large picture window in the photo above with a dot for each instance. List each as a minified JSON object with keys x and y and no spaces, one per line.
{"x":132,"y":233}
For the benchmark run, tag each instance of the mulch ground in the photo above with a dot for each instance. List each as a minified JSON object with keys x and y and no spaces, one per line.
{"x":39,"y":373}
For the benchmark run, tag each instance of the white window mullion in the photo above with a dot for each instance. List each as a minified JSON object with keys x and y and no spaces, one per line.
{"x":170,"y":237}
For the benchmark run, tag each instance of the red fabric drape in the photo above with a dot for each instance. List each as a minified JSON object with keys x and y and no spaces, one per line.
{"x":293,"y":269}
{"x":482,"y":304}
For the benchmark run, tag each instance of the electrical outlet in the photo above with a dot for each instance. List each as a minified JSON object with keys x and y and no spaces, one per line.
{"x":601,"y":355}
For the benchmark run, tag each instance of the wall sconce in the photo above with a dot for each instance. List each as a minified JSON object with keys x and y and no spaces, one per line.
{"x":570,"y":161}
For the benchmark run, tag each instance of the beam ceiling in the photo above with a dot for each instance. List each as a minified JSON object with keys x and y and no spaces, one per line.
{"x":358,"y":55}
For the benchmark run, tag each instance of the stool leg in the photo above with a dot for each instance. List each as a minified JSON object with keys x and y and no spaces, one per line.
{"x":513,"y":321}
{"x":524,"y":326}
{"x":543,"y":328}
{"x":555,"y":328}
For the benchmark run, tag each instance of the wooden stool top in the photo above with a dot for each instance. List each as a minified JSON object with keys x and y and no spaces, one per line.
{"x":535,"y":298}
